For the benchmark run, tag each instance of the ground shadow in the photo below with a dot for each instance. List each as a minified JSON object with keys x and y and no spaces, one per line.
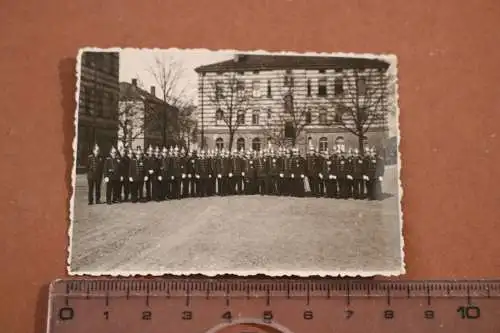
{"x":41,"y":310}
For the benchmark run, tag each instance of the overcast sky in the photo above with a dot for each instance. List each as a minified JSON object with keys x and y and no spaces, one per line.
{"x":135,"y":63}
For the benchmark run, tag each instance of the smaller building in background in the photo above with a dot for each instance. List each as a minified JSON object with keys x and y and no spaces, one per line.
{"x":144,"y":119}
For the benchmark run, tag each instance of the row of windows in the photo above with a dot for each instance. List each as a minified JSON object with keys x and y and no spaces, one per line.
{"x":101,"y":103}
{"x":289,"y":71}
{"x":305,"y":117}
{"x":256,"y":143}
{"x":322,"y":87}
{"x":102,"y":61}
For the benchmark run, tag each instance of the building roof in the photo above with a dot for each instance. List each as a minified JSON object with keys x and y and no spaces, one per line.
{"x":252,"y":62}
{"x":129,"y":91}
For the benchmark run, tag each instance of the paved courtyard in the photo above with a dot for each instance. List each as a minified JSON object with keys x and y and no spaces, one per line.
{"x":238,"y":234}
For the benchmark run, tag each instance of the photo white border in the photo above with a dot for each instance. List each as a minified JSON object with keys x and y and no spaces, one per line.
{"x":389,"y":58}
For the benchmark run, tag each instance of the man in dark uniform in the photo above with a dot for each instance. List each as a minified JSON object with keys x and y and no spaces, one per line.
{"x":249,"y":173}
{"x":190,"y":172}
{"x":311,"y":173}
{"x":183,"y":163}
{"x":111,"y":177}
{"x":137,"y":175}
{"x":349,"y":173}
{"x":298,"y":169}
{"x":358,"y":188}
{"x":331,"y":182}
{"x":95,"y":164}
{"x":379,"y":174}
{"x":323,"y":171}
{"x":177,"y":170}
{"x":342,"y":170}
{"x":155,"y":181}
{"x":149,"y":166}
{"x":273,"y":168}
{"x":237,"y":169}
{"x":285,"y":164}
{"x":163,"y":175}
{"x":261,"y":174}
{"x":212,"y":179}
{"x":124,"y":182}
{"x":201,"y":174}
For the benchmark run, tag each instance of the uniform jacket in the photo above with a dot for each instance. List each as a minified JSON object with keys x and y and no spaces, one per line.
{"x":111,"y":168}
{"x":202,"y":167}
{"x":124,"y":166}
{"x":370,"y":167}
{"x":298,"y":166}
{"x":342,"y":167}
{"x":95,"y":167}
{"x":273,"y":166}
{"x":136,"y":169}
{"x":358,"y":167}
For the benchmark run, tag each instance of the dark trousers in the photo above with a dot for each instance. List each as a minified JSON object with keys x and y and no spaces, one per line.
{"x":176,"y":188}
{"x":374,"y":189}
{"x":331,"y":188}
{"x":112,"y":191}
{"x":185,"y":187}
{"x":321,"y":187}
{"x":149,"y":187}
{"x":358,"y":188}
{"x":298,"y":187}
{"x":157,"y":189}
{"x":313,"y":184}
{"x":94,"y":190}
{"x":137,"y":190}
{"x":125,"y":188}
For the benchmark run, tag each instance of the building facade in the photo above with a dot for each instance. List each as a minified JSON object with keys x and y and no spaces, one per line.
{"x":261,"y":101}
{"x":98,"y":103}
{"x":143,"y":118}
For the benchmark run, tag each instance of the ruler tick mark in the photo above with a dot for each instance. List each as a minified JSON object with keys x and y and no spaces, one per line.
{"x":106,"y":299}
{"x":428,"y":296}
{"x":468,"y":295}
{"x":388,"y":296}
{"x":188,"y":298}
{"x":268,"y":297}
{"x":308,"y":294}
{"x":348,"y":295}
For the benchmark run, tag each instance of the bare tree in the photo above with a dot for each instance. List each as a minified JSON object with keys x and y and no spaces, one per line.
{"x":362,"y":102}
{"x":188,"y":125}
{"x":167,"y":73}
{"x":231,"y":99}
{"x":298,"y":111}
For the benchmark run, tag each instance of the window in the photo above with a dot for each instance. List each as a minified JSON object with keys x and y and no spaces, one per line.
{"x":323,"y":144}
{"x":240,"y":144}
{"x":339,"y":114}
{"x":289,"y":129}
{"x":219,"y":117}
{"x":308,"y":117}
{"x":240,"y":85}
{"x":241,"y":73}
{"x":219,"y":144}
{"x":288,"y":103}
{"x":288,"y":82}
{"x":240,"y":119}
{"x":99,"y":103}
{"x":339,"y":143}
{"x":256,"y":89}
{"x":361,"y":86}
{"x":322,"y":71}
{"x":269,"y":113}
{"x":322,"y":116}
{"x":322,"y":86}
{"x":338,"y":70}
{"x":219,"y":90}
{"x":339,"y":86}
{"x":255,"y":117}
{"x":269,"y":90}
{"x":309,"y":88}
{"x":256,"y":72}
{"x":256,"y":144}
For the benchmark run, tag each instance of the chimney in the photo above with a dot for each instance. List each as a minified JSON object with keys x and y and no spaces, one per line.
{"x":134,"y":82}
{"x":153,"y":91}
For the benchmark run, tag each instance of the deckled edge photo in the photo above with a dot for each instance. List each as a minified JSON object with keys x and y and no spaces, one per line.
{"x":392,"y":59}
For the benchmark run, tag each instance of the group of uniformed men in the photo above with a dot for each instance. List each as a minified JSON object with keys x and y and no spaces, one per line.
{"x":176,"y":173}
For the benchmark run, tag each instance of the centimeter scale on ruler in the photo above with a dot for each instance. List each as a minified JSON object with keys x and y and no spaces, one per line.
{"x":253,"y":306}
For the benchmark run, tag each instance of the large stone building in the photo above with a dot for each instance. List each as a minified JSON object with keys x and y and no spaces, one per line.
{"x":257,"y":101}
{"x":143,"y":118}
{"x":98,"y":103}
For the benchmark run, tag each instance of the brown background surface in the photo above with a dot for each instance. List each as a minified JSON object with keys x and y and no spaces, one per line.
{"x":449,"y":99}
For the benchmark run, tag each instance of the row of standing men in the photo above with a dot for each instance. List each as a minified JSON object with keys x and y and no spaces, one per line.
{"x":171,"y":173}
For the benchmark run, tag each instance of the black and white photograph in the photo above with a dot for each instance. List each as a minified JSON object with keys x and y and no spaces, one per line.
{"x":236,"y":162}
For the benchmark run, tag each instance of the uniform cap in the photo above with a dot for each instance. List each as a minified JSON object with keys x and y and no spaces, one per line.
{"x":113,"y":150}
{"x":165,"y":150}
